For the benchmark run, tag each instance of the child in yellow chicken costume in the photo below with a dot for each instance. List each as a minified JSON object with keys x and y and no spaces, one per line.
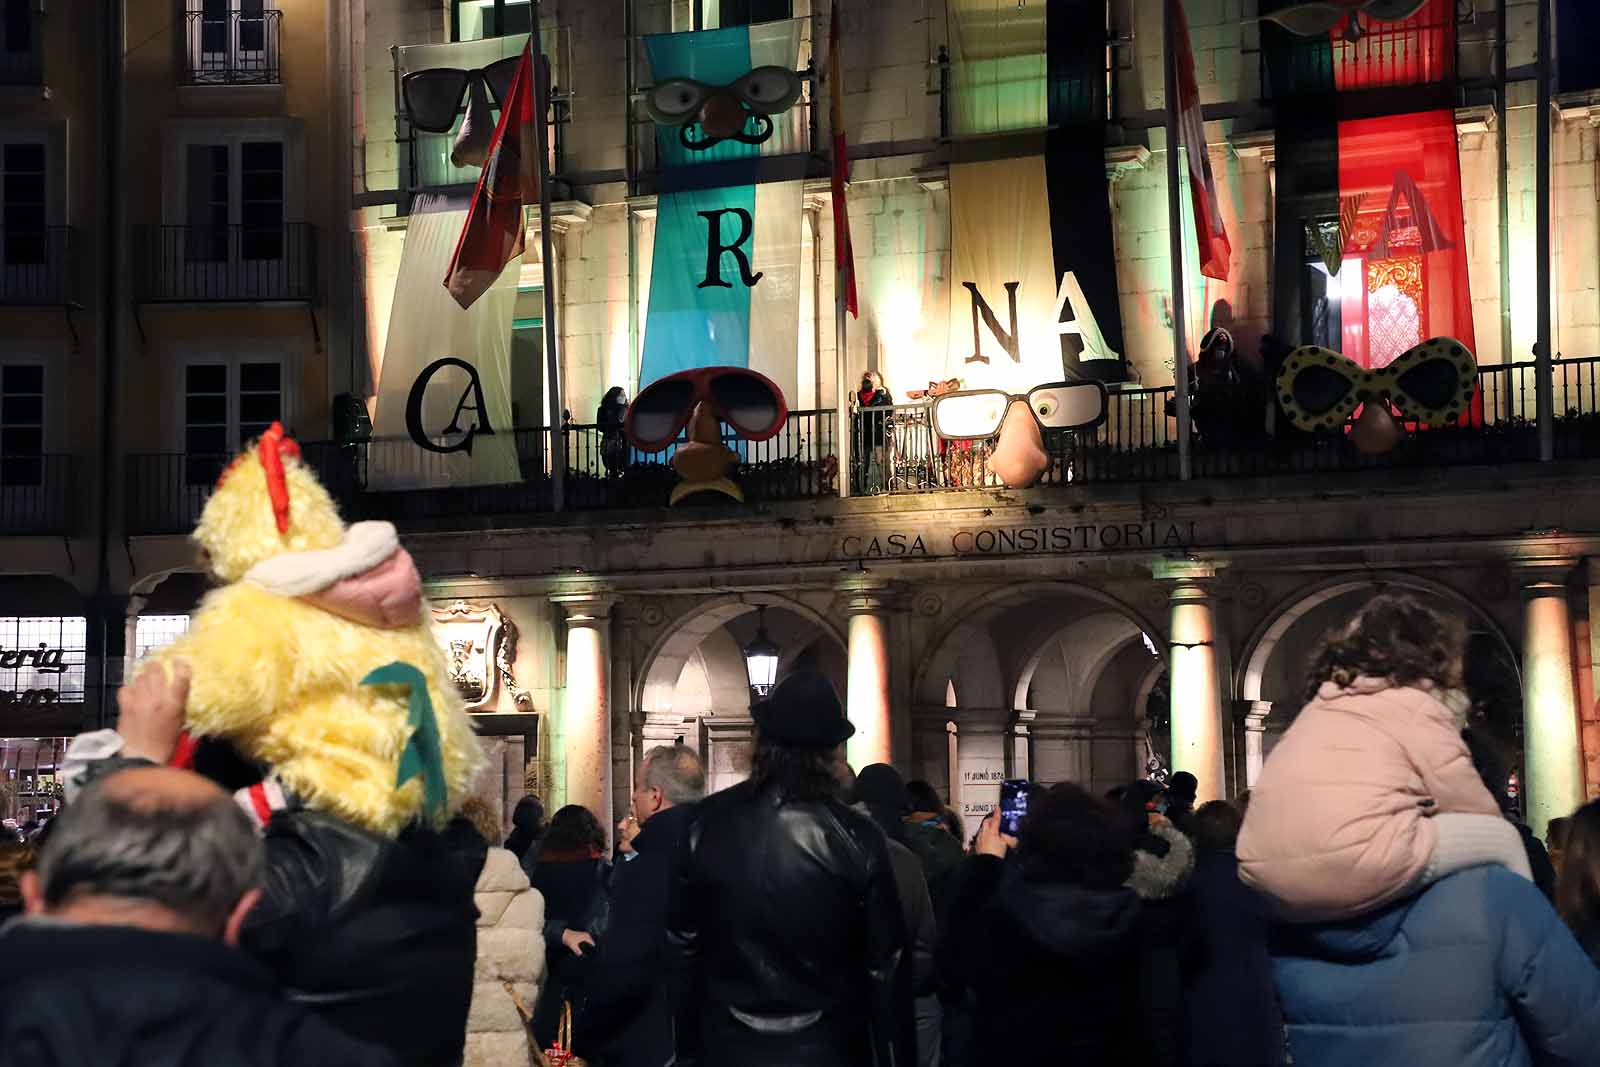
{"x":316,"y":665}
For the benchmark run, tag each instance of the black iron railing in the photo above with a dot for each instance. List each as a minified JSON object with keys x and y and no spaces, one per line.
{"x":167,"y":490}
{"x":232,"y":48}
{"x":36,"y":494}
{"x":38,"y":265}
{"x":199,"y":264}
{"x":1420,"y":50}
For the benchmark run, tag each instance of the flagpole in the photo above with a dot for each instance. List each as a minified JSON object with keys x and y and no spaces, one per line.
{"x":550,"y":329}
{"x":1180,"y":348}
{"x":842,"y":381}
{"x":1543,"y":353}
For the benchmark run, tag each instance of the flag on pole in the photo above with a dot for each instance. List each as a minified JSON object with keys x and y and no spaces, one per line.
{"x":1215,"y":251}
{"x":493,"y":234}
{"x":844,"y":260}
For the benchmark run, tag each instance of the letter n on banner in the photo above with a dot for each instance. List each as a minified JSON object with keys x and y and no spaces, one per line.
{"x":725,"y":283}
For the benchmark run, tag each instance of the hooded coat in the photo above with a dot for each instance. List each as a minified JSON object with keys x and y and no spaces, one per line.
{"x":1478,"y":971}
{"x":1054,"y":968}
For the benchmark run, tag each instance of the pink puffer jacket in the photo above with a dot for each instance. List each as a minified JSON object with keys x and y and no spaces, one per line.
{"x":1339,"y":820}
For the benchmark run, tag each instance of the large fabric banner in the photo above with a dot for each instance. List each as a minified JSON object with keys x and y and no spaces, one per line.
{"x":1009,"y":306}
{"x":444,"y":390}
{"x":725,"y":271}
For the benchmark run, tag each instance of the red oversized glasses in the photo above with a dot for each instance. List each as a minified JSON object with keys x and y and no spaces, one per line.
{"x":748,"y":401}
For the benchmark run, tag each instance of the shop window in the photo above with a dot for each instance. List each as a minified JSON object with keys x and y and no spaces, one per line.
{"x":21,"y":424}
{"x":42,"y":659}
{"x":23,"y":207}
{"x":152,"y":632}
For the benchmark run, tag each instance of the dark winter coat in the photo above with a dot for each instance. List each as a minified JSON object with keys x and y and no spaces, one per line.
{"x":1476,"y":971}
{"x":941,"y":856}
{"x":574,"y":892}
{"x":117,"y":996}
{"x":625,"y":1018}
{"x":377,"y":936}
{"x":1231,"y":1012}
{"x":1054,"y":968}
{"x":785,"y":934}
{"x":1162,"y":864}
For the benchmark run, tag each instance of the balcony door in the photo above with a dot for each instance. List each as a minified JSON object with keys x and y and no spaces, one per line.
{"x":226,"y":405}
{"x":21,"y":428}
{"x":234,"y":233}
{"x":231,"y":41}
{"x":24,"y":243}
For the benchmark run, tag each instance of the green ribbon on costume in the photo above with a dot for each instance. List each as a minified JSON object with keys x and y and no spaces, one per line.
{"x":421,"y":755}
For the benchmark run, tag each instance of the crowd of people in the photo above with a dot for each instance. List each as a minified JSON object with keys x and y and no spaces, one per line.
{"x":1370,"y":900}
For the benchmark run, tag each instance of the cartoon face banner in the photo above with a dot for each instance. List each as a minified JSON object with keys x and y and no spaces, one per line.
{"x":725,"y":273}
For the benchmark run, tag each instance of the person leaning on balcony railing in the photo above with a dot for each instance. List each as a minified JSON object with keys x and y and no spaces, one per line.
{"x":872,"y":433}
{"x":608,"y":418}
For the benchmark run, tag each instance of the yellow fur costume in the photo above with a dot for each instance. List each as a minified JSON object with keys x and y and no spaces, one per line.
{"x":279,"y":677}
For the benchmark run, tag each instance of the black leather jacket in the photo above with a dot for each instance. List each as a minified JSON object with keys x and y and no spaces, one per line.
{"x":784,"y":935}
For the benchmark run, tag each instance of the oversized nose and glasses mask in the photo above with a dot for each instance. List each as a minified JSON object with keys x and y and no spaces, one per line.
{"x":1019,"y":420}
{"x":740,"y":111}
{"x":433,"y":100}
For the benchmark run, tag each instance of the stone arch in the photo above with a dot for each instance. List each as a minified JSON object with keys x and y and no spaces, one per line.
{"x":1264,"y":643}
{"x":667,"y":656}
{"x":1008,"y":596}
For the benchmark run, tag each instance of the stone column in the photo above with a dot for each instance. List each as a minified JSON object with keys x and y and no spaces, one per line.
{"x":866,"y":696}
{"x":1195,"y":675}
{"x":1255,"y":736}
{"x":1553,"y":754}
{"x":586,"y":709}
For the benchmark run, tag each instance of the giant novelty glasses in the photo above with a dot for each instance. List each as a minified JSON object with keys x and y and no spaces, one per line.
{"x":746,"y":400}
{"x":433,"y":96}
{"x":975,"y":414}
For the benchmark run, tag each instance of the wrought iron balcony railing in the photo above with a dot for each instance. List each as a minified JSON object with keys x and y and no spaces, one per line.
{"x":36,"y":494}
{"x":232,"y":48}
{"x":38,"y":266}
{"x":226,"y":264}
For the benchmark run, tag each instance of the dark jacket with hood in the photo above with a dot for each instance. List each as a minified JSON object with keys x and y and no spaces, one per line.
{"x":116,"y":996}
{"x":624,"y":1018}
{"x":1231,"y":1012}
{"x":1476,"y":971}
{"x":784,"y":936}
{"x":1163,"y":860}
{"x":1054,"y":967}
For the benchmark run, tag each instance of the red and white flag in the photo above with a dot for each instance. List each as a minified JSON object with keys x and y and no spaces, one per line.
{"x":844,"y":260}
{"x":1215,"y":251}
{"x":493,"y":234}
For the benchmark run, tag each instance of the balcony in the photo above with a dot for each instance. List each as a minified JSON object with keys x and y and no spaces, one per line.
{"x":236,"y":48}
{"x":38,"y":266}
{"x":894,"y":452}
{"x":36,"y":495}
{"x":1417,"y":51}
{"x":225,"y":264}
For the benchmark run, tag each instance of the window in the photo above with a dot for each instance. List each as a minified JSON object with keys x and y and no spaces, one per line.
{"x":239,"y":184}
{"x":152,"y":632}
{"x":43,"y":655}
{"x":21,"y":424}
{"x":19,"y":43}
{"x":232,"y":41}
{"x":1577,"y":61}
{"x":225,"y":405}
{"x":998,"y":66}
{"x":719,"y":14}
{"x":22,"y":203}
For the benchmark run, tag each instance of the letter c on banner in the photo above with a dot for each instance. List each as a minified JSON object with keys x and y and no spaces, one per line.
{"x":480,"y":410}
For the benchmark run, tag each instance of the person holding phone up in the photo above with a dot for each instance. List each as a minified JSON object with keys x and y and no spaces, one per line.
{"x":1049,"y":943}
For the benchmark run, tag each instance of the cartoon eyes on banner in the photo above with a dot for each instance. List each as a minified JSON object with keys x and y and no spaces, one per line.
{"x":697,"y":400}
{"x":1431,"y":384}
{"x":1322,"y":16}
{"x":740,"y":111}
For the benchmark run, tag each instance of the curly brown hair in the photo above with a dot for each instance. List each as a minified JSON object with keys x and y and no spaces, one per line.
{"x":1392,"y":637}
